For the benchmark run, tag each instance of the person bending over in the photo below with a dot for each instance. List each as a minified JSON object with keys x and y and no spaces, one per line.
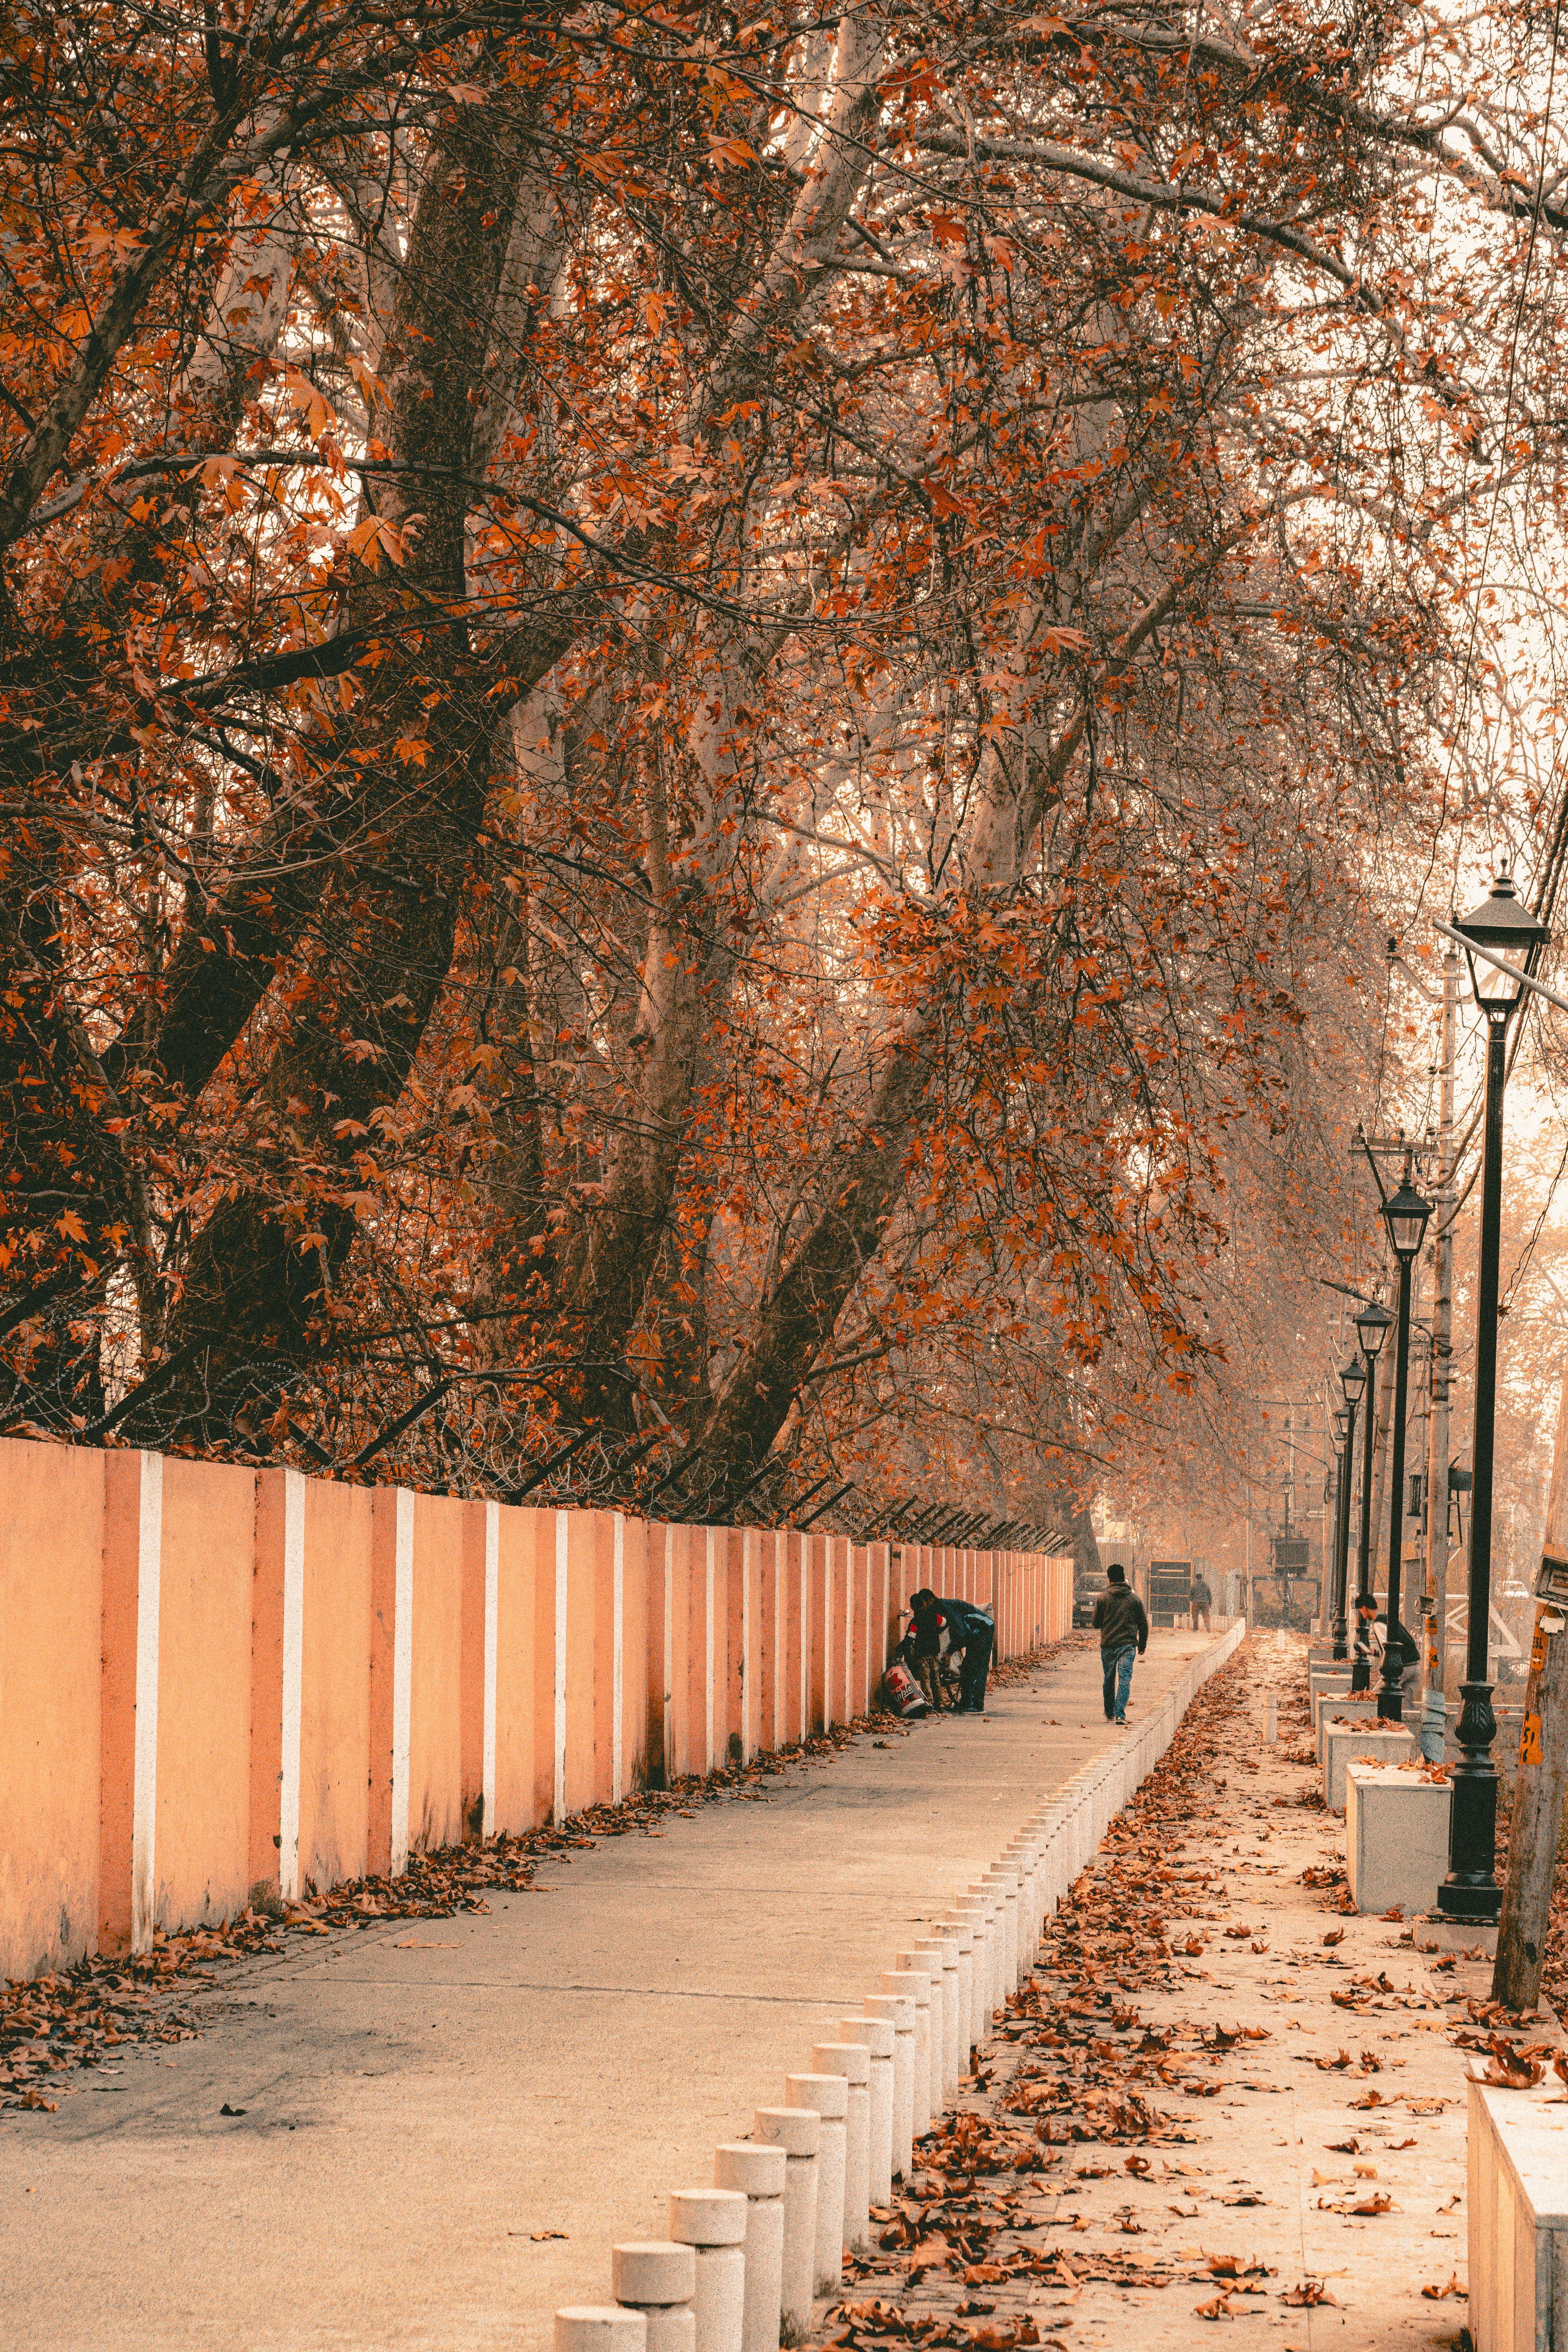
{"x":1123,"y":1638}
{"x":967,"y":1627}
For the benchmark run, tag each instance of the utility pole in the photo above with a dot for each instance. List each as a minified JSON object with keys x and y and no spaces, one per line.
{"x":1542,"y":1761}
{"x":1434,"y":1715}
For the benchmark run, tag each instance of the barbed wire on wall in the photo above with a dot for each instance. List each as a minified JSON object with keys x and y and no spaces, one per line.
{"x":474,"y":1432}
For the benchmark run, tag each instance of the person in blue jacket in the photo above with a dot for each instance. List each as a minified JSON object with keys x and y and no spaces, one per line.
{"x":968,"y":1628}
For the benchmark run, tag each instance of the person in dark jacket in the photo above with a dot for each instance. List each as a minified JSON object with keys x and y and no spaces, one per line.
{"x":969,"y":1628}
{"x":1406,"y":1650}
{"x":1123,"y":1637}
{"x":925,"y":1644}
{"x":1202,"y":1601}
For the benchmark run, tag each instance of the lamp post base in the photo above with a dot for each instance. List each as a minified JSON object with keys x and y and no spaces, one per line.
{"x":1470,"y":1891}
{"x":1341,"y":1645}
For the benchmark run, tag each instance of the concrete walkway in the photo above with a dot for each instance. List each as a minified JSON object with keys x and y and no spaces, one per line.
{"x":420,"y":2100}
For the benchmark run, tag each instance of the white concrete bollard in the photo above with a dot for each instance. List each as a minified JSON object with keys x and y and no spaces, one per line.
{"x":853,"y":2061}
{"x":829,"y":2095}
{"x":960,"y":1929}
{"x":1024,"y":1856}
{"x":916,"y":1987}
{"x":929,"y":1955}
{"x":960,"y":1925}
{"x":658,"y":2279}
{"x":1271,"y":1720}
{"x":759,"y":2173}
{"x":975,"y":1909}
{"x":712,"y":2222}
{"x":878,"y":2037}
{"x":798,"y":2131}
{"x":899,"y":2009}
{"x":946,"y":1949}
{"x":600,"y":2327}
{"x":1006,"y":1881}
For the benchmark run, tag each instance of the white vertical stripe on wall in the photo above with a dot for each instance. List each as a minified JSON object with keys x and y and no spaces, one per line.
{"x":144,"y":1786}
{"x":559,"y":1800}
{"x":618,"y":1683}
{"x":492,"y":1639}
{"x":709,"y":1628}
{"x":827,"y":1631}
{"x":293,"y":1683}
{"x":849,"y":1707}
{"x":402,"y":1675}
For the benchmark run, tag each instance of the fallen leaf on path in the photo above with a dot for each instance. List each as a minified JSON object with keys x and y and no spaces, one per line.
{"x":1310,"y":2293}
{"x":1335,"y":1935}
{"x":1436,"y":2293}
{"x":1511,"y":2068}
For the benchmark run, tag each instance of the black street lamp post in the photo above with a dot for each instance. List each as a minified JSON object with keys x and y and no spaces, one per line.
{"x":1341,"y":1428}
{"x":1404,"y":1213}
{"x":1470,"y":1891}
{"x":1373,"y":1325}
{"x":1352,"y":1380}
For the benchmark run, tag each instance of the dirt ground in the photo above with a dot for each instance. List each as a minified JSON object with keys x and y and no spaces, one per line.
{"x":1222,"y":2099}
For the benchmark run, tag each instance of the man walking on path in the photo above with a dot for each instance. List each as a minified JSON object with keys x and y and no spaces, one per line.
{"x":1123,"y":1637}
{"x":1202,"y":1601}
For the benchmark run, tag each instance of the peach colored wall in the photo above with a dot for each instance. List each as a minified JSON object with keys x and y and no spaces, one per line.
{"x":202,"y":1851}
{"x":635,"y":1684}
{"x":820,"y":1673}
{"x":334,"y":1684}
{"x":435,"y":1686}
{"x":471,"y":1675}
{"x":730,"y":1608}
{"x":266,"y":1613}
{"x":659,"y":1745}
{"x":244,"y":1648}
{"x":682,"y":1734}
{"x":51,"y":1626}
{"x":517,"y":1696}
{"x":760,"y":1551}
{"x":584,"y":1530}
{"x":381,"y":1652}
{"x":122,"y":1475}
{"x":701,"y":1640}
{"x":797,"y":1633}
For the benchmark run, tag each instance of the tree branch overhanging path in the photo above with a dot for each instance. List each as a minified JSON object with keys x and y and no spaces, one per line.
{"x":719,"y":709}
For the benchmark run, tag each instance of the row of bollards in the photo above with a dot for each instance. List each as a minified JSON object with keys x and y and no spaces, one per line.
{"x":745,"y":2258}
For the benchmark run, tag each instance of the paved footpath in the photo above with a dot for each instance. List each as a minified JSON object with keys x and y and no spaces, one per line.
{"x":419,"y":2100}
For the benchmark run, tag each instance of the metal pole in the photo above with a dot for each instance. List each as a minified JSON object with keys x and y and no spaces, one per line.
{"x":1435,"y":1721}
{"x":1390,"y":1700}
{"x":1360,"y":1672}
{"x":1470,"y":1891}
{"x":1343,"y":1532}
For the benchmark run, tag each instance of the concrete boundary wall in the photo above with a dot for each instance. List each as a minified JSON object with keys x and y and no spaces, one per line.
{"x":990,"y":1940}
{"x":217,"y":1681}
